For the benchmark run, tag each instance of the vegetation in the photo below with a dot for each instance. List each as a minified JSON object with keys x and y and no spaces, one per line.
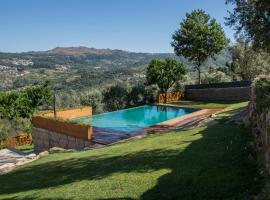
{"x":247,"y":63}
{"x":216,"y":76}
{"x":120,"y":96}
{"x":198,"y":38}
{"x":252,"y":19}
{"x":24,"y":103}
{"x":93,"y":99}
{"x":214,"y":162}
{"x":165,"y":73}
{"x":115,"y":97}
{"x":17,"y":107}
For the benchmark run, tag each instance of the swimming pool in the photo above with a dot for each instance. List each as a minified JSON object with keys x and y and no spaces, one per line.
{"x":134,"y":119}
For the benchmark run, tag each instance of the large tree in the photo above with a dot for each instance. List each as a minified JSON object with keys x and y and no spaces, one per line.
{"x":252,"y":18}
{"x":165,"y":73}
{"x":198,"y":38}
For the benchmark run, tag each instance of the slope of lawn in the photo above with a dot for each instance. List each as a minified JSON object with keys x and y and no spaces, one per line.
{"x":206,"y":104}
{"x":215,"y":162}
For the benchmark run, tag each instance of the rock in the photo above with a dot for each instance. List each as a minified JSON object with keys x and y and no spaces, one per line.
{"x":43,"y":153}
{"x":56,"y":149}
{"x":31,"y":156}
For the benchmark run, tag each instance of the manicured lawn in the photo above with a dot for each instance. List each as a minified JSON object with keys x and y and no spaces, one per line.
{"x":206,"y":104}
{"x":215,"y":162}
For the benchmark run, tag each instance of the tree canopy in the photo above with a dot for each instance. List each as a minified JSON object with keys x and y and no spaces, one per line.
{"x":24,"y":103}
{"x":165,"y":73}
{"x":252,"y":18}
{"x":247,"y":63}
{"x":198,"y":38}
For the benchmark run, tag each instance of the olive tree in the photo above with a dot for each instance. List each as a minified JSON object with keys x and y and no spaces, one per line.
{"x":165,"y":73}
{"x":247,"y":63}
{"x":252,"y":18}
{"x":198,"y":38}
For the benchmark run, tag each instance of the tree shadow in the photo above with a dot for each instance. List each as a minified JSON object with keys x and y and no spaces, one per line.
{"x":219,"y":165}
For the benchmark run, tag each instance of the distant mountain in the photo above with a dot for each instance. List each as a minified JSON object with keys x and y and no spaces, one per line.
{"x":78,"y":51}
{"x":82,"y":68}
{"x":92,"y":57}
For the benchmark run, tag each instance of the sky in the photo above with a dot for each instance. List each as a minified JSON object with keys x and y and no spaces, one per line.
{"x":133,"y":25}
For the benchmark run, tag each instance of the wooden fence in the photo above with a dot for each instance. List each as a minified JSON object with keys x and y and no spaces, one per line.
{"x":19,"y":140}
{"x":171,"y":96}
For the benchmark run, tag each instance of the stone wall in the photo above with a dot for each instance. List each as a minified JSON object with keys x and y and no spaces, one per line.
{"x":215,"y":94}
{"x":45,"y":139}
{"x":259,"y":115}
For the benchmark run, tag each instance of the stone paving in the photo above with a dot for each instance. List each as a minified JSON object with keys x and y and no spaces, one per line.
{"x":10,"y":158}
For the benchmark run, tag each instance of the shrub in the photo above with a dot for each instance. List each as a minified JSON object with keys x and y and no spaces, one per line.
{"x":150,"y":93}
{"x":24,"y":103}
{"x":215,"y":77}
{"x":93,"y":99}
{"x":115,"y":97}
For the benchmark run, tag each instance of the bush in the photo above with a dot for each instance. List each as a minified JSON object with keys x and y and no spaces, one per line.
{"x":151,"y":93}
{"x":115,"y":97}
{"x":93,"y":99}
{"x":215,"y":77}
{"x":22,"y":104}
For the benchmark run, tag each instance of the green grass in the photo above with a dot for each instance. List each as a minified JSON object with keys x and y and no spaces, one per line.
{"x":215,"y":162}
{"x":206,"y":104}
{"x":27,"y":149}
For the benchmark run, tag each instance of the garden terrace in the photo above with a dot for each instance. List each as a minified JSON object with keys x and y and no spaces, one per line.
{"x":209,"y":162}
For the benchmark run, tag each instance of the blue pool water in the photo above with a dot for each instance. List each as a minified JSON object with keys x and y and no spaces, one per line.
{"x":133,"y":119}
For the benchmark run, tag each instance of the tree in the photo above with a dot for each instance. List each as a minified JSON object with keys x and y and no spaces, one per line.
{"x":93,"y":99}
{"x":198,"y":38}
{"x":215,"y":76}
{"x":115,"y":97}
{"x":247,"y":63}
{"x":23,"y":104}
{"x":165,"y":73}
{"x":136,"y":96}
{"x":252,"y":18}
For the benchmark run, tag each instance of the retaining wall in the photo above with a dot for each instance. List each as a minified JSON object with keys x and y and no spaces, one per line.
{"x":232,"y":91}
{"x":51,"y":132}
{"x":216,"y":94}
{"x":45,"y":139}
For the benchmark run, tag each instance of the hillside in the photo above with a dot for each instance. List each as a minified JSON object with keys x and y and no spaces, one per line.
{"x":80,"y":67}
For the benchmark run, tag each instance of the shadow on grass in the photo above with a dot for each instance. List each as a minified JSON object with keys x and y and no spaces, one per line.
{"x":220,"y":165}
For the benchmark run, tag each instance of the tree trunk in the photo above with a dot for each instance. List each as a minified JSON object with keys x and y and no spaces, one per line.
{"x":199,"y":75}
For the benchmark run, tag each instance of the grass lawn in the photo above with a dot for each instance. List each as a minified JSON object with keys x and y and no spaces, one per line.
{"x":215,"y":162}
{"x":206,"y":104}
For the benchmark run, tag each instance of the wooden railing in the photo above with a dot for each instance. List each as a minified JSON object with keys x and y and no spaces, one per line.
{"x":19,"y":140}
{"x":171,"y":96}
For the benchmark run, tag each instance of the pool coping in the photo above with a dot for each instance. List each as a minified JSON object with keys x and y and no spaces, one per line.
{"x":169,"y":124}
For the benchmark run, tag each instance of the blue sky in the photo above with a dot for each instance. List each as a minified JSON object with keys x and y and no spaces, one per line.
{"x":133,"y":25}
